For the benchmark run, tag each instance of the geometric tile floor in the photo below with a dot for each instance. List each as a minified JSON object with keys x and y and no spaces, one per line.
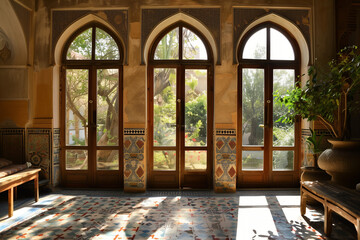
{"x":257,"y":214}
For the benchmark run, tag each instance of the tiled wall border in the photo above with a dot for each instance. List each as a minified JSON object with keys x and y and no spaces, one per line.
{"x":134,"y":131}
{"x":226,"y":132}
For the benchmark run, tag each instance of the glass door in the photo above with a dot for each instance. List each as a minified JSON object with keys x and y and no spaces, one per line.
{"x":180,"y":129}
{"x":180,"y":112}
{"x":91,"y":111}
{"x":268,"y":155}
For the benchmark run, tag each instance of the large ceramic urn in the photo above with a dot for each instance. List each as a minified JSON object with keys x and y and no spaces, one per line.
{"x":342,"y":162}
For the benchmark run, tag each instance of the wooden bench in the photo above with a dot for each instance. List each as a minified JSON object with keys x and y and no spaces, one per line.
{"x":335,"y":198}
{"x":10,"y":182}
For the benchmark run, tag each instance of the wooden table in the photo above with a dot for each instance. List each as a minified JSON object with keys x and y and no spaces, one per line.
{"x":335,"y":198}
{"x":10,"y":182}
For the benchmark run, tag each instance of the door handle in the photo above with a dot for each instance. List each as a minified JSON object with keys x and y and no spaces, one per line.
{"x":267,"y":114}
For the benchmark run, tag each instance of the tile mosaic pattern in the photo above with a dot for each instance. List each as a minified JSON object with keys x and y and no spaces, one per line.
{"x":225,"y":161}
{"x":39,"y":150}
{"x":164,"y":217}
{"x":12,"y":144}
{"x":56,"y":158}
{"x":134,"y":160}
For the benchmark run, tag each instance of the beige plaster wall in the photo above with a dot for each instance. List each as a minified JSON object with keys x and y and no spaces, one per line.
{"x":42,"y":99}
{"x":324,"y":32}
{"x":14,"y":83}
{"x":42,"y":95}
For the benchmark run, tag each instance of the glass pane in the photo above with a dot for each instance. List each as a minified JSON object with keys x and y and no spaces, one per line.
{"x":252,"y":106}
{"x":80,"y":48}
{"x":168,"y":47}
{"x":280,"y":47}
{"x":107,"y":115}
{"x":255,"y":47}
{"x":165,"y":160}
{"x":164,"y":106}
{"x":105,"y":46}
{"x":283,"y":133}
{"x":76,"y":112}
{"x":107,"y":160}
{"x":252,"y":160}
{"x":193,"y":48}
{"x":195,"y":160}
{"x":195,"y":107}
{"x":76,"y":160}
{"x":283,"y":160}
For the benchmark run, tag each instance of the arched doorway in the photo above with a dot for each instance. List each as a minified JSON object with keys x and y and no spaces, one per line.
{"x":180,"y":109}
{"x":269,"y":62}
{"x":91,"y":109}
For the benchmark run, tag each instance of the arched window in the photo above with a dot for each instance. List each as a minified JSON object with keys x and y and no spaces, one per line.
{"x":269,"y":62}
{"x":180,"y":109}
{"x":91,"y":108}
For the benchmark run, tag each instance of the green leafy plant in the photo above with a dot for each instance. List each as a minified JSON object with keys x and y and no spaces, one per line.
{"x":314,"y":142}
{"x":327,"y":97}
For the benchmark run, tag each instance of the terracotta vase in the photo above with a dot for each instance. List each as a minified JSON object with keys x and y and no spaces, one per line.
{"x":342,"y":162}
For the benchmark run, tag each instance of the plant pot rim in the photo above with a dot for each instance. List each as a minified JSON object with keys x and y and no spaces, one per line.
{"x":348,"y":144}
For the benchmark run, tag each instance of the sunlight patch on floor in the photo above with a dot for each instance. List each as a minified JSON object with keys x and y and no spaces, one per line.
{"x":255,"y":222}
{"x":288,"y":200}
{"x":252,"y":201}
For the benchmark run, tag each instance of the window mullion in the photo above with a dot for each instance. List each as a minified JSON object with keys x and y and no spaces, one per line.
{"x":268,"y":43}
{"x":180,"y":43}
{"x":93,"y":44}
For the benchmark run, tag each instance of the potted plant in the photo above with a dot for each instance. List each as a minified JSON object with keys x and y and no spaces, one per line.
{"x":330,"y":98}
{"x":313,"y":143}
{"x":313,"y":172}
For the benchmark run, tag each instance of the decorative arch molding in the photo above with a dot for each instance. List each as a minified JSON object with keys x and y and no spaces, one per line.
{"x":73,"y":28}
{"x":295,"y":21}
{"x":304,"y":49}
{"x":66,"y":22}
{"x":10,"y":25}
{"x":154,"y":21}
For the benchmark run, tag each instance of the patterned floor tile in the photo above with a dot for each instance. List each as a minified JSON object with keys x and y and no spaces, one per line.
{"x":233,"y":216}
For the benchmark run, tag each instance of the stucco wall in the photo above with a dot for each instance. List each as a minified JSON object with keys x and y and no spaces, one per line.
{"x":40,"y":88}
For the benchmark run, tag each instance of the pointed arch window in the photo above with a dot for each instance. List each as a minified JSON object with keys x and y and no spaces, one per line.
{"x":193,"y":47}
{"x":81,"y":48}
{"x":256,"y":46}
{"x":91,"y":110}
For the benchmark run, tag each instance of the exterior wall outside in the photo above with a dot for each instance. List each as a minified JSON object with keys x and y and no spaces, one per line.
{"x":36,"y":102}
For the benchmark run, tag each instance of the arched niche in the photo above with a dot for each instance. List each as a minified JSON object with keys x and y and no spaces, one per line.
{"x":74,"y":27}
{"x":11,"y":26}
{"x":172,"y":20}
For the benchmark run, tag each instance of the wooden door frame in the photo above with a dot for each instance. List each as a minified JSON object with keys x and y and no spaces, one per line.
{"x":180,"y":65}
{"x":91,"y":175}
{"x":268,"y":66}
